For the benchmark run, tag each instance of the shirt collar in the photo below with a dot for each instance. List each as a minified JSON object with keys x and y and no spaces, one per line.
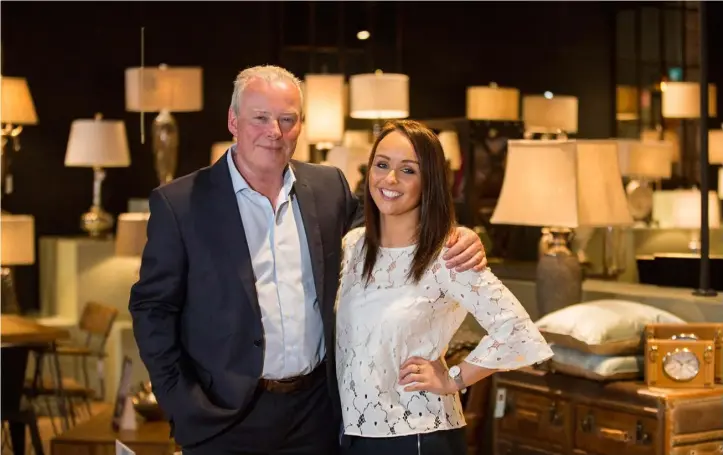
{"x":240,"y":183}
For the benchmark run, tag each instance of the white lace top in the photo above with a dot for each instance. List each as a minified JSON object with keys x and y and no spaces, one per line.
{"x":380,"y":326}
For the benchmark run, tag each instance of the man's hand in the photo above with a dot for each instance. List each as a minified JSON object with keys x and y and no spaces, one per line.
{"x":465,"y":251}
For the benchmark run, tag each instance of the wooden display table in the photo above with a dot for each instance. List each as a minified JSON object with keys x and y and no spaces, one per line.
{"x":96,"y":437}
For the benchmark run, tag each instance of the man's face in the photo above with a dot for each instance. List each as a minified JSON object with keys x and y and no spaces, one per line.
{"x":267,"y":126}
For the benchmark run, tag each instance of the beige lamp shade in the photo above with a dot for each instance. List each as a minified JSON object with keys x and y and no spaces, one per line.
{"x":131,"y":234}
{"x":452,"y":151}
{"x":715,"y":146}
{"x":18,"y":239}
{"x":358,"y":138}
{"x":177,"y":89}
{"x":218,"y":149}
{"x":97,"y":142}
{"x":324,"y":99}
{"x":540,"y":113}
{"x":650,"y":159}
{"x":669,"y":136}
{"x":348,"y":159}
{"x":17,"y":104}
{"x":626,"y":102}
{"x":686,"y":209}
{"x":564,"y":184}
{"x":302,"y":151}
{"x":493,"y":103}
{"x":379,"y":96}
{"x":682,"y":100}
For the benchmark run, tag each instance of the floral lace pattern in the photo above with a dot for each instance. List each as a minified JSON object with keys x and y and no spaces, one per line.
{"x":383,"y":323}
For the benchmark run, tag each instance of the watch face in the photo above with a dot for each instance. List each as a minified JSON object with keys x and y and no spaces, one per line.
{"x":681,"y":365}
{"x":454,"y":371}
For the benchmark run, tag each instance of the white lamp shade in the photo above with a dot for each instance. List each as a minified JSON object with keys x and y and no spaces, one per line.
{"x":324,"y":99}
{"x":626,"y":102}
{"x":348,"y":159}
{"x":177,"y":89}
{"x":452,"y":152}
{"x":18,"y":239}
{"x":650,"y":159}
{"x":550,"y":114}
{"x":682,"y":100}
{"x":131,"y":234}
{"x":17,"y":103}
{"x":218,"y":149}
{"x":302,"y":151}
{"x":669,"y":136}
{"x":379,"y":96}
{"x":97,"y":142}
{"x":562,"y":184}
{"x":686,"y":209}
{"x":715,"y":146}
{"x":493,"y":103}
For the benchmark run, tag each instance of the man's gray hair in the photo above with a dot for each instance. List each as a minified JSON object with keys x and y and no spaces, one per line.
{"x":269,"y":73}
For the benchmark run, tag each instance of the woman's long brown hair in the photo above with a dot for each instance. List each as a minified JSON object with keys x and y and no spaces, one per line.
{"x":436,"y":214}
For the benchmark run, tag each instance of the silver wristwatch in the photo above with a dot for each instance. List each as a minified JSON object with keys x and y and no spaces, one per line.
{"x":456,"y":374}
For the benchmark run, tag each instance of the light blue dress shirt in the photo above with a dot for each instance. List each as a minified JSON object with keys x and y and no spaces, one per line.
{"x":284,"y":280}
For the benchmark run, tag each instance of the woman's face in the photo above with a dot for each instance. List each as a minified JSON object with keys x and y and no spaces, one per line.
{"x":395,"y":180}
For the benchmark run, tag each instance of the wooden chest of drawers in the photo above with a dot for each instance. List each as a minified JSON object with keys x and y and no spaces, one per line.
{"x":547,"y":413}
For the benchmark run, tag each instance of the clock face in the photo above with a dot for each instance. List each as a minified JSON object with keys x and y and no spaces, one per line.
{"x":681,"y":365}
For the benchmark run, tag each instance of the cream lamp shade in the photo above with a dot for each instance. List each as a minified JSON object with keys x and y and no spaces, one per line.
{"x":452,"y":152}
{"x":562,"y":184}
{"x":626,"y":102}
{"x":540,"y":113}
{"x":669,"y":136}
{"x":131,"y":234}
{"x":176,"y":89}
{"x":218,"y":149}
{"x":682,"y":100}
{"x":358,"y":138}
{"x":715,"y":146}
{"x":379,"y":96}
{"x":493,"y":103}
{"x":97,"y":143}
{"x":18,"y":239}
{"x":348,"y":159}
{"x":686,"y":209}
{"x":650,"y":159}
{"x":17,"y":103}
{"x":324,"y":99}
{"x":302,"y":151}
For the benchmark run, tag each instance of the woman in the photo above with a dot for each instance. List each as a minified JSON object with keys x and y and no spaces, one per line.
{"x":399,"y":306}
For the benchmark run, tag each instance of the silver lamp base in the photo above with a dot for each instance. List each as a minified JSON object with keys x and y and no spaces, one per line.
{"x":8,"y":298}
{"x":165,"y":146}
{"x":559,"y":275}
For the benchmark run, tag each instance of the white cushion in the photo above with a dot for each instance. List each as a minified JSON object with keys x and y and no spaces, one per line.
{"x":596,"y":367}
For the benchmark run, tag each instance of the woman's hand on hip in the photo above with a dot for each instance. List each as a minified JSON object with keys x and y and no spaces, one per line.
{"x":420,"y":374}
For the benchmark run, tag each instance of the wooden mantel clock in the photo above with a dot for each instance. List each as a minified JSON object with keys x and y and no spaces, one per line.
{"x":683,"y":355}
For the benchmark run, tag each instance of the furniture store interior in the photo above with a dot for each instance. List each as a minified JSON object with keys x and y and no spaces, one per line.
{"x":583,"y":149}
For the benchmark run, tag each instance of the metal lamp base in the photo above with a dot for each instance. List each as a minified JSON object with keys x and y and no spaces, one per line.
{"x":9,"y":301}
{"x":96,"y":221}
{"x":559,"y":275}
{"x":165,"y":146}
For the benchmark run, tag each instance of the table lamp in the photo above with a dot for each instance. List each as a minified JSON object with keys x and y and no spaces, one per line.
{"x":130,"y":236}
{"x":17,"y":110}
{"x":98,"y":144}
{"x":644,"y":162}
{"x":324,"y":111}
{"x":549,"y":114}
{"x":379,"y":96}
{"x":686,"y":209}
{"x":164,"y":90}
{"x":18,"y":248}
{"x":493,"y":103}
{"x":561,"y":185}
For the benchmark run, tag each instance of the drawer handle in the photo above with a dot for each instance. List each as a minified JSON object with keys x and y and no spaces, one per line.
{"x":615,"y":435}
{"x":528,"y":415}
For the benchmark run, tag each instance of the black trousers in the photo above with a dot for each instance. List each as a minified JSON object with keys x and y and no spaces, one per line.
{"x":443,"y":442}
{"x":299,"y":423}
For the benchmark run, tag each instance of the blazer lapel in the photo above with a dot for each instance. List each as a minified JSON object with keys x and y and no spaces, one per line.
{"x":307,"y":207}
{"x":224,"y":230}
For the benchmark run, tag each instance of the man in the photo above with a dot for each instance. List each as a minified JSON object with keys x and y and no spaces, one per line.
{"x":233,"y":313}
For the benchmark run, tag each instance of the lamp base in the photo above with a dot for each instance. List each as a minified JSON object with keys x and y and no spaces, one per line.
{"x":559,"y":275}
{"x":165,"y":146}
{"x":96,"y":221}
{"x":9,"y":302}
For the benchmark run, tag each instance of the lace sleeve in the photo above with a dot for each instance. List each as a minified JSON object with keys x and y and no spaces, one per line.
{"x":512,"y":339}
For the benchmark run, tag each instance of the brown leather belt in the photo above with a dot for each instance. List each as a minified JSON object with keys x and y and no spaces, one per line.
{"x":294,"y":384}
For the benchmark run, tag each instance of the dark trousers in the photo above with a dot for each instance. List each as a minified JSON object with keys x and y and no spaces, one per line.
{"x":298,"y":423}
{"x":443,"y":442}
